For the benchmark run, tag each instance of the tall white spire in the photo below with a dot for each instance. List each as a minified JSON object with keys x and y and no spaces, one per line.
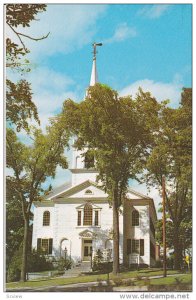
{"x":94,"y":76}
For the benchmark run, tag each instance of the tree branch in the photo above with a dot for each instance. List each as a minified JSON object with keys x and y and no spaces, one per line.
{"x":32,"y":38}
{"x":18,"y":37}
{"x":19,"y":34}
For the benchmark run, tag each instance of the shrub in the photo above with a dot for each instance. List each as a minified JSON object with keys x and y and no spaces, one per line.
{"x":99,"y":265}
{"x":129,"y":282}
{"x":38,"y":262}
{"x":118,"y":281}
{"x":63,"y":264}
{"x":170,"y":262}
{"x":104,"y":267}
{"x":158,"y":264}
{"x":14,"y":269}
{"x":97,"y":259}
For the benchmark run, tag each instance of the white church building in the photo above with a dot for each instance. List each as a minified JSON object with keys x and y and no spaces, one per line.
{"x":76,"y":218}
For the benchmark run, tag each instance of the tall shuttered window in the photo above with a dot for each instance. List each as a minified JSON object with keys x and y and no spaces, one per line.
{"x":88,"y":215}
{"x":135,"y":246}
{"x":45,"y":245}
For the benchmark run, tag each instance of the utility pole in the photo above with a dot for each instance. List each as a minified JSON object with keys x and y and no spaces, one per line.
{"x":164,"y":229}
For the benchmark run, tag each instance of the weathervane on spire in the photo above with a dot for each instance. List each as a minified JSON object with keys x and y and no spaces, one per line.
{"x":94,"y":49}
{"x":94,"y":77}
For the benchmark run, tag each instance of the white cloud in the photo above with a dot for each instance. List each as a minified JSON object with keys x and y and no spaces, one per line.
{"x":122,"y":32}
{"x":70,"y":27}
{"x":48,"y":79}
{"x":153,"y":11}
{"x":62,"y":176}
{"x":160,"y":90}
{"x":50,"y":89}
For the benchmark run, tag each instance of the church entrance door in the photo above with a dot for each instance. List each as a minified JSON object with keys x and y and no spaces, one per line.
{"x":87,"y":250}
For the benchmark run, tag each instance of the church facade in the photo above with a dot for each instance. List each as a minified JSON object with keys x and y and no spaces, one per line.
{"x":76,"y":219}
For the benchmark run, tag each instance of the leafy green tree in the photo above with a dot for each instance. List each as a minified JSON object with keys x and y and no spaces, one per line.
{"x":185,"y":233}
{"x":118,"y":130}
{"x":172,"y":157}
{"x":19,"y":105}
{"x":31,"y":165}
{"x":14,"y":224}
{"x":37,"y":262}
{"x":17,"y":15}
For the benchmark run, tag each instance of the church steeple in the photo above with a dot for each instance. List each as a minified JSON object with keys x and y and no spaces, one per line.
{"x":94,"y":76}
{"x":83,"y":167}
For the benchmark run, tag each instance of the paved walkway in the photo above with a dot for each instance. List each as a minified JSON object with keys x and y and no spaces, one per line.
{"x":82,"y":268}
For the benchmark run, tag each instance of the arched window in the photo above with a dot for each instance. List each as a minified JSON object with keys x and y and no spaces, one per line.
{"x":88,"y":214}
{"x":135,"y":218}
{"x":46,"y":218}
{"x":88,"y":192}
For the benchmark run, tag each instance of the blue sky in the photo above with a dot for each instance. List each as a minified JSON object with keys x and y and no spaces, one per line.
{"x":143,"y":45}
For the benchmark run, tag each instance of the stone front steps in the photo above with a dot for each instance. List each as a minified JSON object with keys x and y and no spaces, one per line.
{"x":83,"y":267}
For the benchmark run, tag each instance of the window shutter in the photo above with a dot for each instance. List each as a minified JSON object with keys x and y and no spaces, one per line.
{"x":142,"y":247}
{"x":128,"y":246}
{"x":96,"y":218}
{"x":38,"y":245}
{"x":50,"y":246}
{"x":79,"y":218}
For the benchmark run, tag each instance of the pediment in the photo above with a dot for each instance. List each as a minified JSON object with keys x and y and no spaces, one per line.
{"x":133,"y":195}
{"x":87,"y":234}
{"x":88,"y":190}
{"x":94,"y":206}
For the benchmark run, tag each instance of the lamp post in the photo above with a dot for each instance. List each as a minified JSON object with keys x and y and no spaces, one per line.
{"x":65,"y":250}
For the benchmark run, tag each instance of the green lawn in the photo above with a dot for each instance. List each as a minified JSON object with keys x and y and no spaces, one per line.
{"x":146,"y":273}
{"x":55,"y":281}
{"x":186,"y":278}
{"x":91,"y":278}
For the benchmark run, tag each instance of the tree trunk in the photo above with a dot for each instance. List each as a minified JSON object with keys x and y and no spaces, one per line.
{"x":25,"y":249}
{"x":177,"y":249}
{"x":115,"y":237}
